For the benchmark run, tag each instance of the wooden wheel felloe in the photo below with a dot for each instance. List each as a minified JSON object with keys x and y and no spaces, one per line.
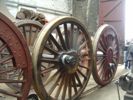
{"x":63,"y":49}
{"x":106,"y":54}
{"x":14,"y":57}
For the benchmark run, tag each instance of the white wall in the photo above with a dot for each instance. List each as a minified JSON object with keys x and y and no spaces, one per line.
{"x":50,"y":8}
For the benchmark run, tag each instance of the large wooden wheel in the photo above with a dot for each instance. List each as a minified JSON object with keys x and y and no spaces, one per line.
{"x":106,"y":54}
{"x":14,"y":57}
{"x":64,"y":50}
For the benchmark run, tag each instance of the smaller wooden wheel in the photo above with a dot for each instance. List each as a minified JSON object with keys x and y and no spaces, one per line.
{"x":30,"y":29}
{"x":14,"y":57}
{"x":63,"y":49}
{"x":106,"y":54}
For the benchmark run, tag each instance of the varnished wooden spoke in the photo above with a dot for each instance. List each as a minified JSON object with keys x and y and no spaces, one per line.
{"x":48,"y":60}
{"x":81,"y":73}
{"x":71,"y":35}
{"x":67,"y":33}
{"x":78,"y":80}
{"x":52,"y":77}
{"x":61,"y":37}
{"x":51,"y":50}
{"x":3,"y":47}
{"x":83,"y":66}
{"x":11,"y":81}
{"x":55,"y":84}
{"x":10,"y":94}
{"x":49,"y":69}
{"x":74,"y":85}
{"x":58,"y":92}
{"x":65,"y":86}
{"x":56,"y":43}
{"x":6,"y":59}
{"x":7,"y":71}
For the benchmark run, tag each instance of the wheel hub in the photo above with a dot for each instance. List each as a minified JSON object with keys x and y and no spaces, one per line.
{"x":69,"y":61}
{"x":109,"y":55}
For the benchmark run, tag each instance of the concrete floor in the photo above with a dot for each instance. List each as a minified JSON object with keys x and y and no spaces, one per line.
{"x":109,"y":92}
{"x":95,"y":92}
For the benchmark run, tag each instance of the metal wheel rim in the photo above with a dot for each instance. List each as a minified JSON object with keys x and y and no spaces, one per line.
{"x":18,"y":49}
{"x":44,"y":34}
{"x":99,"y":39}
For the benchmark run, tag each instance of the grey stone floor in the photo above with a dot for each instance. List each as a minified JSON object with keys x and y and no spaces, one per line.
{"x":93,"y":91}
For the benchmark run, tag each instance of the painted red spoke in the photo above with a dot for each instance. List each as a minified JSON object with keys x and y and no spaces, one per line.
{"x":60,"y":86}
{"x":11,"y":94}
{"x":100,"y":48}
{"x":115,"y":52}
{"x":81,"y":73}
{"x":56,"y":83}
{"x":52,"y":77}
{"x":6,"y":59}
{"x":51,"y":50}
{"x":107,"y":74}
{"x":102,"y":45}
{"x":11,"y":81}
{"x":100,"y":60}
{"x":55,"y":42}
{"x":104,"y":71}
{"x":49,"y":60}
{"x":74,"y":85}
{"x":67,"y":33}
{"x":47,"y":70}
{"x":101,"y":66}
{"x":3,"y":47}
{"x":114,"y":61}
{"x":104,"y":40}
{"x":61,"y":38}
{"x":78,"y":79}
{"x":115,"y":56}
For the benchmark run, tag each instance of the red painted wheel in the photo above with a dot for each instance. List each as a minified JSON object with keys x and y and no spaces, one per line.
{"x":29,"y":29}
{"x":106,"y":54}
{"x":14,"y":57}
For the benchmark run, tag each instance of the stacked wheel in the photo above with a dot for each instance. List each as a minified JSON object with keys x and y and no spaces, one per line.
{"x":63,"y":49}
{"x":106,"y":54}
{"x":14,"y":57}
